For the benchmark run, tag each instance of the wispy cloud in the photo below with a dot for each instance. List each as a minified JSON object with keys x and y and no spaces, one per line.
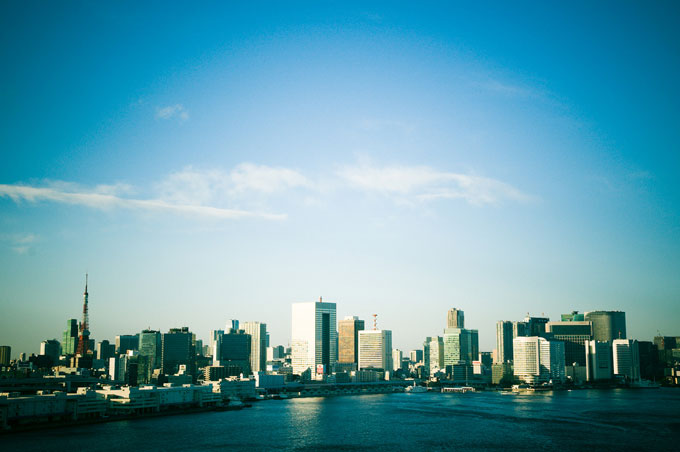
{"x":106,"y":201}
{"x":172,"y":111}
{"x":204,"y":186}
{"x":423,"y":183}
{"x":20,"y":243}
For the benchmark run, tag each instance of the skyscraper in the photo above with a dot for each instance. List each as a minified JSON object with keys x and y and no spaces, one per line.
{"x":455,"y":318}
{"x":51,"y":348}
{"x":105,"y":350}
{"x":314,"y":337}
{"x":5,"y":355}
{"x":537,"y":360}
{"x":69,"y":339}
{"x":574,"y":334}
{"x":348,"y":339}
{"x":433,"y":355}
{"x":258,"y":345}
{"x":126,"y":342}
{"x":504,"y":341}
{"x":607,"y":325}
{"x":375,"y":349}
{"x":233,"y":351}
{"x":535,"y":325}
{"x":626,"y":359}
{"x":150,"y":354}
{"x":598,"y":360}
{"x":177,"y":349}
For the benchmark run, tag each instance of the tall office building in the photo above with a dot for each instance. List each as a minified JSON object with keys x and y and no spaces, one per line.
{"x":626,"y":359}
{"x":51,"y":348}
{"x":176,"y":349}
{"x":574,"y":334}
{"x":126,"y":342}
{"x":535,"y":325}
{"x":397,"y":358}
{"x":258,"y":345}
{"x":105,"y":350}
{"x":416,"y":356}
{"x":375,"y":349}
{"x":460,"y":346}
{"x":607,"y":325}
{"x":433,"y":355}
{"x":215,"y":335}
{"x":598,"y":360}
{"x":5,"y":355}
{"x":348,"y":339}
{"x":233,"y":351}
{"x":504,"y":341}
{"x":455,"y":318}
{"x":69,"y":339}
{"x":520,"y":329}
{"x":150,"y":354}
{"x":537,"y":360}
{"x":314,"y":337}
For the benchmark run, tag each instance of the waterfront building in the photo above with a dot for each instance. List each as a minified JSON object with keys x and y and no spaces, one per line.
{"x":258,"y":345}
{"x":607,"y":325}
{"x":504,"y":337}
{"x":416,"y":356}
{"x":537,"y":360}
{"x":598,"y":360}
{"x":5,"y":355}
{"x":501,"y":374}
{"x":574,"y":334}
{"x":52,"y":349}
{"x":455,"y":318}
{"x":375,"y":350}
{"x":127,"y":342}
{"x":348,"y":339}
{"x":177,"y":349}
{"x":233,"y":351}
{"x":626,"y":359}
{"x":69,"y":339}
{"x":397,"y":357}
{"x":433,"y":355}
{"x":314,"y":338}
{"x":460,"y":345}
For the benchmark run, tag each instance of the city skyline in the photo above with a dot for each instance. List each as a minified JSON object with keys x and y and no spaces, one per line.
{"x":229,"y":162}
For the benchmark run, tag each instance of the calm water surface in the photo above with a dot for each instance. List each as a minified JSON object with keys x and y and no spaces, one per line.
{"x":575,"y":420}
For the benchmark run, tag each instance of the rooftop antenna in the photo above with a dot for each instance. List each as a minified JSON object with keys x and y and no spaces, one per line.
{"x":375,"y":322}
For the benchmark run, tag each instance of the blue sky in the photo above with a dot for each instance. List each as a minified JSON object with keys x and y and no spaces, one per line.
{"x":225,"y":162}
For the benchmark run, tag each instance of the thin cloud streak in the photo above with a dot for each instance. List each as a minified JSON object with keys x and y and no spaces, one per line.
{"x":104,"y":201}
{"x":172,"y":111}
{"x":423,"y":183}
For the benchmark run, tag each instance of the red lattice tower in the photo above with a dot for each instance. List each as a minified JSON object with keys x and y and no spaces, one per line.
{"x":84,"y":336}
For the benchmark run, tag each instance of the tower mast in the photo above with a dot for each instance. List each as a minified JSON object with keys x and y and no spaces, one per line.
{"x":84,"y":336}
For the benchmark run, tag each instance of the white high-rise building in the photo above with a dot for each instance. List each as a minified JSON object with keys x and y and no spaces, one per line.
{"x":598,"y":360}
{"x":433,"y":355}
{"x":258,"y":345}
{"x":537,"y":360}
{"x":314,"y":338}
{"x":375,"y":349}
{"x":626,"y":359}
{"x":397,"y":357}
